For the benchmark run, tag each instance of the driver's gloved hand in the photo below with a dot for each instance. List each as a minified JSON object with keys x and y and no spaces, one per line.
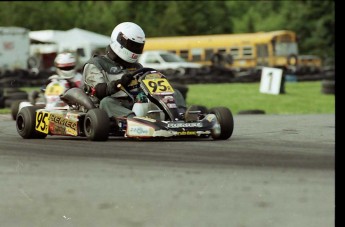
{"x":112,"y":86}
{"x":126,"y":79}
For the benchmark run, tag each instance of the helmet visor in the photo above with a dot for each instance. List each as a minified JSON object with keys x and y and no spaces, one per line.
{"x":130,"y":44}
{"x":67,"y":68}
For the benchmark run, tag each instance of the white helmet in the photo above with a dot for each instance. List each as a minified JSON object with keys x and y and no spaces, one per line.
{"x":127,"y":41}
{"x":65,"y":65}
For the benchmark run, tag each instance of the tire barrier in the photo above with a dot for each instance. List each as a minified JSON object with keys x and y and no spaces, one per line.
{"x":251,"y":112}
{"x":10,"y":95}
{"x":328,"y":86}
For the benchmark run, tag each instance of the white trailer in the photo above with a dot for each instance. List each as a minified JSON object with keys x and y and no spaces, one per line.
{"x":14,"y":48}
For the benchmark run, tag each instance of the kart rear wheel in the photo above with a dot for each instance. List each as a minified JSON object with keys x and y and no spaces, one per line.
{"x":25,"y":123}
{"x":225,"y":123}
{"x":96,"y":125}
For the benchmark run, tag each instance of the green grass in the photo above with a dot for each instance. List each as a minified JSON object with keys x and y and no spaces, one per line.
{"x":300,"y":98}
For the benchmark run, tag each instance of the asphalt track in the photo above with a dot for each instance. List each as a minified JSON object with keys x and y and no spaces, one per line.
{"x":276,"y":170}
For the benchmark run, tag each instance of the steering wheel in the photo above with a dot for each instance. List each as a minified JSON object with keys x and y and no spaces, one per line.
{"x":141,"y":71}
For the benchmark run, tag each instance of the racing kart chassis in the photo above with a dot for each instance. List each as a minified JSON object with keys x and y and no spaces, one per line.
{"x":157,"y":117}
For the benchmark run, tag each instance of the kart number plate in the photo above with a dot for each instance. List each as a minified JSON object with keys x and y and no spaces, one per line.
{"x":54,"y":89}
{"x":42,"y":121}
{"x":158,"y":86}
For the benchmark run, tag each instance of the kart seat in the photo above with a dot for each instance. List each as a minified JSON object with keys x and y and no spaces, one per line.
{"x":77,"y":96}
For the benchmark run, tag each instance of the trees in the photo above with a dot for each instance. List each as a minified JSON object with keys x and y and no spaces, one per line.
{"x":313,"y":21}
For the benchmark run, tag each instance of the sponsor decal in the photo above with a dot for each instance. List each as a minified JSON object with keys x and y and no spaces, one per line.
{"x":187,"y":133}
{"x":58,"y":119}
{"x":138,"y":131}
{"x":72,"y":132}
{"x":153,"y":76}
{"x":185,"y":125}
{"x":134,"y":56}
{"x":57,"y":129}
{"x":163,"y":133}
{"x":171,"y":105}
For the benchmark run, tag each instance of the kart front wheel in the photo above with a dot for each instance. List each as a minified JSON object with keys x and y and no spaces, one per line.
{"x":26,"y":122}
{"x":225,"y":123}
{"x":96,"y":125}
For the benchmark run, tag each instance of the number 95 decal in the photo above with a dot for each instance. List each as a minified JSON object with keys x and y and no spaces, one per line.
{"x":158,"y":86}
{"x":42,"y":122}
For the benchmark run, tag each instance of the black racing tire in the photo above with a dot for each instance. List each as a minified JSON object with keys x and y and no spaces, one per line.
{"x":96,"y":125}
{"x":225,"y":126}
{"x":25,"y":123}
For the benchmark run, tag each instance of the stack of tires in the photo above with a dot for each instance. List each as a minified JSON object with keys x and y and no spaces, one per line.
{"x":10,"y":95}
{"x":328,"y":83}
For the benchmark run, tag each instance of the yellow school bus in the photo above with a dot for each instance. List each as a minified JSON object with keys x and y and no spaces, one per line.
{"x":242,"y":51}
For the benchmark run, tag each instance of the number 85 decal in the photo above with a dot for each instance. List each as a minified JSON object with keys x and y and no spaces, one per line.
{"x":158,"y":86}
{"x":42,"y":122}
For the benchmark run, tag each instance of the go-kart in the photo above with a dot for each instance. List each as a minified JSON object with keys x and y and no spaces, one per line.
{"x":157,"y":115}
{"x":47,"y":97}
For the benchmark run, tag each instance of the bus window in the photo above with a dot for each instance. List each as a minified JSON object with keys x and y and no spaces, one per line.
{"x":247,"y":51}
{"x":196,"y":54}
{"x":284,"y":49}
{"x":262,"y":55}
{"x":285,"y":38}
{"x":262,"y":50}
{"x":172,"y":51}
{"x":208,"y":54}
{"x":184,"y":54}
{"x":234,"y":52}
{"x":221,"y":50}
